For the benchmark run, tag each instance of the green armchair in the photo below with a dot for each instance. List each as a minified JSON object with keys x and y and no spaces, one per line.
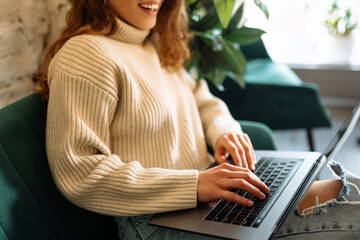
{"x":274,"y":95}
{"x":31,"y":207}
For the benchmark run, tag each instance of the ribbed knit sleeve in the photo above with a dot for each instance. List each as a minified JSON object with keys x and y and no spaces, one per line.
{"x":215,"y":116}
{"x":80,"y":113}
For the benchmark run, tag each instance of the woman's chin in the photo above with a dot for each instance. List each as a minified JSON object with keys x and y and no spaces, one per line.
{"x":146,"y":26}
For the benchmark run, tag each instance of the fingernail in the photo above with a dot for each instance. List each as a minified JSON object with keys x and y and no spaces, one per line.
{"x":249,"y":203}
{"x":253,"y":167}
{"x":263,"y":196}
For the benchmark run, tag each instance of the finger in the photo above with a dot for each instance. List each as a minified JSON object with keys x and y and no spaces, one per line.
{"x":243,"y":185}
{"x":220,"y":159}
{"x":233,"y":150}
{"x":233,"y":197}
{"x":221,"y":155}
{"x":243,"y":173}
{"x":247,"y":151}
{"x":241,"y":161}
{"x":246,"y":181}
{"x":247,"y":138}
{"x":232,"y":167}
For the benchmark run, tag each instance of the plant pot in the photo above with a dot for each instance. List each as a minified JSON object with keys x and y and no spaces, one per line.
{"x":335,"y":49}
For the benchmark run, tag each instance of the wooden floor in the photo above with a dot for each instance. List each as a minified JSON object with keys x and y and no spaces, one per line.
{"x":349,"y":154}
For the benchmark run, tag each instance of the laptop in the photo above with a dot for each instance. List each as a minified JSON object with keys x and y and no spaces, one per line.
{"x":287,"y":174}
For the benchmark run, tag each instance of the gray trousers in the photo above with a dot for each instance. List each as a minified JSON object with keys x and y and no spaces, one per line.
{"x":338,"y":218}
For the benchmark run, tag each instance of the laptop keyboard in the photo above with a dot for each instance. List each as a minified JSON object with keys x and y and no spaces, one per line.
{"x":276,"y":174}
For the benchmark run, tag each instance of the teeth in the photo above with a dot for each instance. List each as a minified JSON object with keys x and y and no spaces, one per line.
{"x":152,"y":7}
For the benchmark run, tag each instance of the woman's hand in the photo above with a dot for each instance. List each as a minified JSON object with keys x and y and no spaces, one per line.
{"x":240,"y":148}
{"x":215,"y":183}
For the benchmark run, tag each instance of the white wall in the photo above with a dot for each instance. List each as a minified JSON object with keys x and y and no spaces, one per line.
{"x":27,"y":27}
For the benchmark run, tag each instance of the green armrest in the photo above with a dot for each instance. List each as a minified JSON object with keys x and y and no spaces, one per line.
{"x":31,"y":207}
{"x":260,"y":135}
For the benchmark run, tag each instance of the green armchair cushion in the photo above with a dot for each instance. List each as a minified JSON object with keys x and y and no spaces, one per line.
{"x":265,"y":71}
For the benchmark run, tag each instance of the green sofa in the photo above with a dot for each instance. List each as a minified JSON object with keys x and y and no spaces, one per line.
{"x":31,"y":207}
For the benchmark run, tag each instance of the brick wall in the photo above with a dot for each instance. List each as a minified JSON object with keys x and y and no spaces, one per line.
{"x":27,"y":27}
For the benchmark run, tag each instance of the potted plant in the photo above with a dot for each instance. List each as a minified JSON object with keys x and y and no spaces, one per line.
{"x":216,"y":37}
{"x":340,"y":23}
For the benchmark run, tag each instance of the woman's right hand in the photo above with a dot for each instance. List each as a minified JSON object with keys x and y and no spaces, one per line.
{"x":214,"y":184}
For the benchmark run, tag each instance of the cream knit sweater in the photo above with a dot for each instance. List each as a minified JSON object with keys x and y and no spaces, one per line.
{"x":124,"y":135}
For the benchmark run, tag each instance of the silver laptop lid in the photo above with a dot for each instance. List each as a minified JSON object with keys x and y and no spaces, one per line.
{"x":343,"y":133}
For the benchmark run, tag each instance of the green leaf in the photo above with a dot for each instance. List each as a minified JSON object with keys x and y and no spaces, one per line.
{"x":207,"y":56}
{"x":215,"y":65}
{"x":235,"y":58}
{"x":207,"y":38}
{"x":234,"y":21}
{"x":244,"y":35}
{"x":212,"y":56}
{"x":228,"y":58}
{"x":188,"y":2}
{"x":210,"y":20}
{"x":207,"y":3}
{"x":262,"y":7}
{"x":224,"y":9}
{"x":238,"y":78}
{"x":217,"y":76}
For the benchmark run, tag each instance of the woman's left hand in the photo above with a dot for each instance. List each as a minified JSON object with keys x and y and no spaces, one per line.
{"x":239,"y":147}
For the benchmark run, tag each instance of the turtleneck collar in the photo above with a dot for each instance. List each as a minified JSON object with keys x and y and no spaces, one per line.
{"x":129,"y":34}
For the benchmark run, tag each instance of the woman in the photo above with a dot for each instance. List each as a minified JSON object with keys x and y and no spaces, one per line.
{"x":127,"y":127}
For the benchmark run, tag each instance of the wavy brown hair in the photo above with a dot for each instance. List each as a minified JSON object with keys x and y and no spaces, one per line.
{"x":96,"y":17}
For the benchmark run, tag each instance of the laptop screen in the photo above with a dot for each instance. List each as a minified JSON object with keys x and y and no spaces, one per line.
{"x":343,"y":133}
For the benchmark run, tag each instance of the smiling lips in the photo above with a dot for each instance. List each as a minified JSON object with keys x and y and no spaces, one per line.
{"x":152,"y":7}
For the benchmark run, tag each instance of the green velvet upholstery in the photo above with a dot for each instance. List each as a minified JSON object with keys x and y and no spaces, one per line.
{"x":31,"y":207}
{"x":276,"y":73}
{"x":277,"y":106}
{"x":274,"y":95}
{"x":255,"y":50}
{"x":261,"y":136}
